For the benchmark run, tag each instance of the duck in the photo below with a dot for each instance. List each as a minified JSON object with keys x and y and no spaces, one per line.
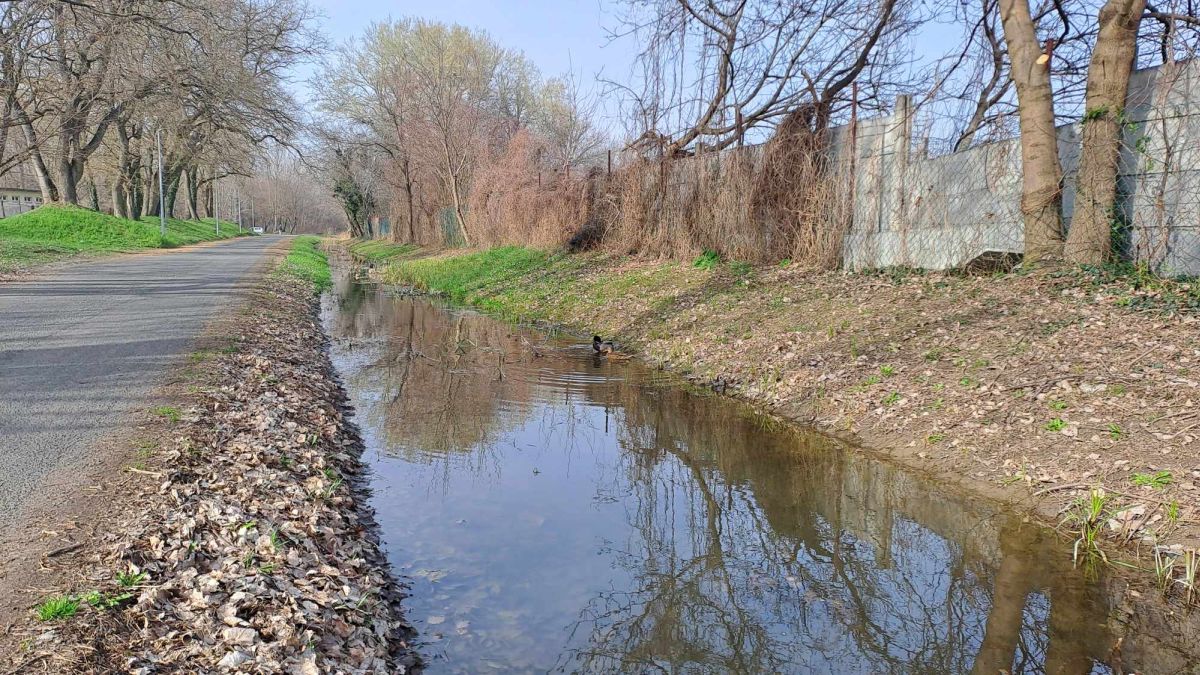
{"x":602,"y":346}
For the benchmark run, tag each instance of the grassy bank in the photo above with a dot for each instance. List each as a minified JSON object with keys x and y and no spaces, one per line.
{"x":1074,"y":390}
{"x":307,"y":261}
{"x":379,"y":250}
{"x":56,"y":231}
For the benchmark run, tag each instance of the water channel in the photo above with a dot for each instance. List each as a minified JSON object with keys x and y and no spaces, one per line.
{"x":555,"y":512}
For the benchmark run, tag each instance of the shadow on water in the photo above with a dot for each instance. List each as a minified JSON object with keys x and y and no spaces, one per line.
{"x":556,"y":512}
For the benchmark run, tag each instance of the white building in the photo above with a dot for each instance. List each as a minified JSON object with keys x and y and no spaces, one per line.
{"x":19,"y":192}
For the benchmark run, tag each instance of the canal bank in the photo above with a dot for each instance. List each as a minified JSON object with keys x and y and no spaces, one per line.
{"x":243,"y":544}
{"x":1074,"y":392}
{"x":555,"y":510}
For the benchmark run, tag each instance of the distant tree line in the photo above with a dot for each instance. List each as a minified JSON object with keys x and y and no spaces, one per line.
{"x":88,"y":87}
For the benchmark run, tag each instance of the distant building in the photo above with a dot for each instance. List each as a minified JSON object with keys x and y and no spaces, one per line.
{"x":18,"y":191}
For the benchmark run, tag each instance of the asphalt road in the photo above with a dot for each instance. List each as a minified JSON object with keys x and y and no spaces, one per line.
{"x":82,"y":348}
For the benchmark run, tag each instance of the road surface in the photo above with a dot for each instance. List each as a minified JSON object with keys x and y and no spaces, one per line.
{"x":82,"y":348}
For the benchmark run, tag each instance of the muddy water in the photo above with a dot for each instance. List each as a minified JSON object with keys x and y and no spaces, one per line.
{"x":557,"y":512}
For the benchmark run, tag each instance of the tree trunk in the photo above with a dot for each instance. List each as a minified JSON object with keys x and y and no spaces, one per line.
{"x":1041,"y":190}
{"x":1089,"y":240}
{"x":408,"y":193}
{"x":118,"y":199}
{"x":68,"y":181}
{"x":193,"y":199}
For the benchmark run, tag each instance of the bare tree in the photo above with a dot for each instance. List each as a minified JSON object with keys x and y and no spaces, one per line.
{"x":1090,"y":236}
{"x":1041,"y":193}
{"x":712,"y":72}
{"x":566,"y":120}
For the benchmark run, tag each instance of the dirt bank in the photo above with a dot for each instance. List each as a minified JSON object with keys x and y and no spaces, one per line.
{"x":250,"y":546}
{"x":1045,"y":388}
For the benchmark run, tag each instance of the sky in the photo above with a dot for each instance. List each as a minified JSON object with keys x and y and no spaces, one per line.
{"x":557,"y":35}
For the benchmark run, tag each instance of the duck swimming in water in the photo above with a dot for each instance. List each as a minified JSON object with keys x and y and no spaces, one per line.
{"x":603,"y":347}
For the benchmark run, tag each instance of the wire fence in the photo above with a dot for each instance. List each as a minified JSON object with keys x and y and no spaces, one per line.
{"x":885,"y":202}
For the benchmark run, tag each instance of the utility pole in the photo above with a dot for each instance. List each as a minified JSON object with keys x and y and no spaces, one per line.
{"x":162,"y":198}
{"x":216,"y":208}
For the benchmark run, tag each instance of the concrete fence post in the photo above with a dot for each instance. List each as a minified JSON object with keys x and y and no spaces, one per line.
{"x":898,"y":144}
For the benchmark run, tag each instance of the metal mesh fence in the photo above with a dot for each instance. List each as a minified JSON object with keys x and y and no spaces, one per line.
{"x":891,"y":204}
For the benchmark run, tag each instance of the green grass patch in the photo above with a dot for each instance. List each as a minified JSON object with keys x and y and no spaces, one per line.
{"x":307,"y":261}
{"x":167,"y":412}
{"x":58,"y":608}
{"x":56,"y":231}
{"x":459,"y":276}
{"x":379,"y":250}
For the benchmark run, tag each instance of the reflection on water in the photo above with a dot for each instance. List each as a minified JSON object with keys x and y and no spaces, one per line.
{"x":560,"y":513}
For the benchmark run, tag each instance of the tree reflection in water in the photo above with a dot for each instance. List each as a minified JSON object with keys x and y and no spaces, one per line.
{"x":713,"y":540}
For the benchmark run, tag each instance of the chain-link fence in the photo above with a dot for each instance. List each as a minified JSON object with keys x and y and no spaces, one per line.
{"x":946,"y":211}
{"x":879,"y":200}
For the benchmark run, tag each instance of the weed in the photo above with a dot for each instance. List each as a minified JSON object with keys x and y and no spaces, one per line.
{"x":874,"y":379}
{"x":1157,"y":480}
{"x":103,"y":601}
{"x":967,"y":382}
{"x":130,"y":579}
{"x":1057,"y":424}
{"x":1088,"y":515}
{"x":1115,"y":432}
{"x":1173,"y":512}
{"x":933,"y":355}
{"x":707,"y":260}
{"x":891,"y":398}
{"x":887,"y":371}
{"x":934,"y":438}
{"x":1058,"y":405}
{"x":57,"y":608}
{"x":1191,"y":560}
{"x":332,"y":488}
{"x":167,"y":412}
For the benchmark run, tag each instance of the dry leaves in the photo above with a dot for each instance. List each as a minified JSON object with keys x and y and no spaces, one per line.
{"x":259,"y":552}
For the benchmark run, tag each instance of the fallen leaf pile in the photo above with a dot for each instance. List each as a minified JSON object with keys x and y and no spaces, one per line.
{"x":257,"y":549}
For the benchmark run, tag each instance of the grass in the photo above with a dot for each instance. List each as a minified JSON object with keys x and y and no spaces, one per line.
{"x":56,"y":231}
{"x":58,"y":608}
{"x":307,"y":261}
{"x":1158,"y":480}
{"x":459,"y":276}
{"x":1088,"y":515}
{"x":379,"y":250}
{"x":130,"y":579}
{"x":167,"y":412}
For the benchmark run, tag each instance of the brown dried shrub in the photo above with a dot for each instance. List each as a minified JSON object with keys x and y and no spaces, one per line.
{"x":802,"y":194}
{"x":514,"y":200}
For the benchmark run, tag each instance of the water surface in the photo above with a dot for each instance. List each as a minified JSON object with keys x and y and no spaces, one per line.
{"x":558,"y":512}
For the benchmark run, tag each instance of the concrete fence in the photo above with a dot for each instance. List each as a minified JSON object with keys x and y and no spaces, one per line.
{"x":945,"y":211}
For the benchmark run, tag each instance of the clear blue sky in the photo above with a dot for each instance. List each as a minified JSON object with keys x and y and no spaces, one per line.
{"x":557,"y":35}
